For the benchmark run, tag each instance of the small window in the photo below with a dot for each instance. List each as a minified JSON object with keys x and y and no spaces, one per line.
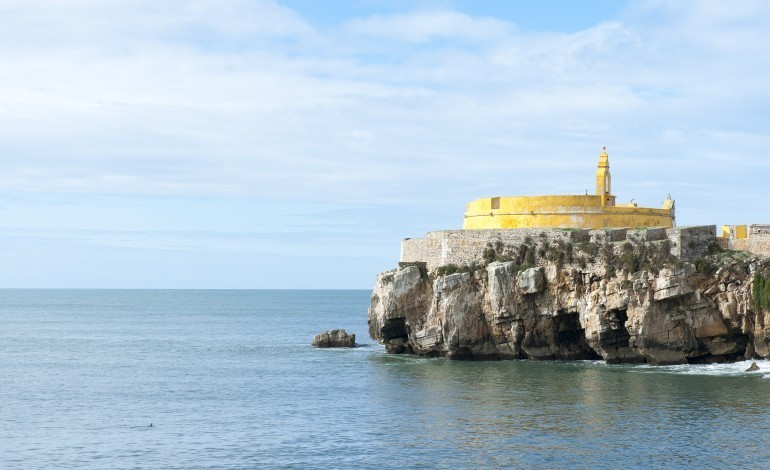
{"x":495,"y":203}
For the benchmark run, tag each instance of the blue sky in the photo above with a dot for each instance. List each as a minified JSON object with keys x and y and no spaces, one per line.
{"x":268,"y":144}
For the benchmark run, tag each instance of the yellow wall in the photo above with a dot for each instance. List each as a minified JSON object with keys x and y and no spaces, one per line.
{"x":561,"y":212}
{"x":739,"y":231}
{"x":603,"y":178}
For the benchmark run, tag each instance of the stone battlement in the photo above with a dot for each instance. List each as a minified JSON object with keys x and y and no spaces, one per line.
{"x":462,"y":247}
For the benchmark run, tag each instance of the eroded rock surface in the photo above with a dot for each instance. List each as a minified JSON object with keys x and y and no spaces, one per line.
{"x":334,"y":339}
{"x":566,"y":312}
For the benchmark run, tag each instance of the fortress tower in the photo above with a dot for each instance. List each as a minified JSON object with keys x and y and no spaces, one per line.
{"x":569,"y":211}
{"x":603,"y":178}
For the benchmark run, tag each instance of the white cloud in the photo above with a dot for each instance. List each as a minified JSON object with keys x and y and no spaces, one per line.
{"x":426,"y":26}
{"x":246,"y":98}
{"x":214,"y":119}
{"x":128,"y":24}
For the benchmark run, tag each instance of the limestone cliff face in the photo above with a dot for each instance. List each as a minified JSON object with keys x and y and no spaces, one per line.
{"x":550,"y":312}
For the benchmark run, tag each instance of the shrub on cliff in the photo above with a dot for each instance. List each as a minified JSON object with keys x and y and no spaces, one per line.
{"x":714,"y":248}
{"x":447,"y":270}
{"x":454,"y":269}
{"x":496,"y":252}
{"x":591,"y":249}
{"x":766,"y":295}
{"x":705,"y":265}
{"x":489,"y":254}
{"x":761,"y":292}
{"x":629,"y":260}
{"x":525,"y":255}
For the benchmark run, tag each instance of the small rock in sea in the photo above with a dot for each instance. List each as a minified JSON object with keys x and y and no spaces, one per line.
{"x":753,"y":367}
{"x":334,"y":339}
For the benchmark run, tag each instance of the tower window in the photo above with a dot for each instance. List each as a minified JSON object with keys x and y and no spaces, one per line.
{"x":495,"y":203}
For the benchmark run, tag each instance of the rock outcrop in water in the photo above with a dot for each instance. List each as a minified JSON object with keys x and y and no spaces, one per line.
{"x":334,"y":339}
{"x":622,"y":305}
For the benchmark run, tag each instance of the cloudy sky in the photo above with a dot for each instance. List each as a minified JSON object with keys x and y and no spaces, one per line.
{"x":293,"y":144}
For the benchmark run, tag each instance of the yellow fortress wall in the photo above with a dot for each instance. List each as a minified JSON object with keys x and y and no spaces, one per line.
{"x":579,"y":211}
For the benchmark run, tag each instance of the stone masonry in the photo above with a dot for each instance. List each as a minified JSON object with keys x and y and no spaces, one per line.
{"x":756,"y":239}
{"x":759,"y":239}
{"x":463,"y":247}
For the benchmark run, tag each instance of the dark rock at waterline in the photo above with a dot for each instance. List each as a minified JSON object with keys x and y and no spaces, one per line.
{"x":753,"y":367}
{"x":334,"y":339}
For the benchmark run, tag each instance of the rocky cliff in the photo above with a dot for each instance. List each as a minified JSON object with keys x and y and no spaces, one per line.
{"x":622,"y":303}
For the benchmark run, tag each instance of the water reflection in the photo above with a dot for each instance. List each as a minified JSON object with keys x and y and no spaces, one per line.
{"x":564,"y":414}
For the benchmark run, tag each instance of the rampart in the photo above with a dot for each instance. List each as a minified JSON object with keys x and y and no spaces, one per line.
{"x":687,"y":243}
{"x":759,"y":239}
{"x":755,"y":239}
{"x":578,"y":211}
{"x":462,"y":247}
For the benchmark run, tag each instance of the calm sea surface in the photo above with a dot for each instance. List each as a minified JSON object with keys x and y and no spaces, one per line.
{"x":228,"y":380}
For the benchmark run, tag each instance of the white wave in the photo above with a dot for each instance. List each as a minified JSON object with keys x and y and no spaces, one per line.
{"x":732,"y":369}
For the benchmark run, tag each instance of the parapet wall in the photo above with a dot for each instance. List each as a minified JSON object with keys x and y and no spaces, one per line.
{"x":759,"y":240}
{"x":688,"y":243}
{"x":755,"y":239}
{"x":462,"y":247}
{"x":466,"y":246}
{"x":576,"y":211}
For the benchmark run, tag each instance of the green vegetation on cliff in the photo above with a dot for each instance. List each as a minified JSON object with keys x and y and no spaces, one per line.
{"x":761,"y":292}
{"x":454,"y":269}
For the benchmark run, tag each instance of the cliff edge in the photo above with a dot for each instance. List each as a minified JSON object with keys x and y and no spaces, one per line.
{"x":627,"y":301}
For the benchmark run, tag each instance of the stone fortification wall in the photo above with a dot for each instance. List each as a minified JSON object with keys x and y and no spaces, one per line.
{"x":688,"y":243}
{"x":650,"y":234}
{"x":609,"y":235}
{"x":741,"y":244}
{"x":759,"y":240}
{"x":462,"y":247}
{"x":755,"y":240}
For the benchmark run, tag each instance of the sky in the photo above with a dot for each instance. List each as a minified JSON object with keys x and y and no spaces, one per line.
{"x":293,"y":144}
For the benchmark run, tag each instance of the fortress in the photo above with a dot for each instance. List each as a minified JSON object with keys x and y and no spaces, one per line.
{"x":585,"y":218}
{"x":578,"y":277}
{"x":574,"y":211}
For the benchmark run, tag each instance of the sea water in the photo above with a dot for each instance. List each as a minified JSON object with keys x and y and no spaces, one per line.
{"x":227,"y":379}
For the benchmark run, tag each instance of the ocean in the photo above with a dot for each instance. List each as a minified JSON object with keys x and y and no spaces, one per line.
{"x":228,"y":379}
